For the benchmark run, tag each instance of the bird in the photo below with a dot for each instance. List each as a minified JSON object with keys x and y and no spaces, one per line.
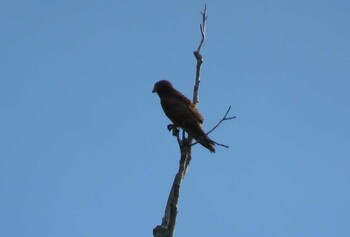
{"x":182,"y":112}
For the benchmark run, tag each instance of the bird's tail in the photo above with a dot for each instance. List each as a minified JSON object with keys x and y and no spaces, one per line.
{"x":200,"y":136}
{"x":208,"y":143}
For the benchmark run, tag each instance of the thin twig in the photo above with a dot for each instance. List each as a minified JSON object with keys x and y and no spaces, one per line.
{"x":222,"y":120}
{"x":202,"y":27}
{"x":217,"y":125}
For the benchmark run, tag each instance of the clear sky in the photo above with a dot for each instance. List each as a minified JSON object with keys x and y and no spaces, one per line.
{"x":84,"y":149}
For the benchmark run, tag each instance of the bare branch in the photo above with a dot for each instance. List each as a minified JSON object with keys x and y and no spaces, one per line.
{"x":219,"y":144}
{"x":217,"y":125}
{"x":202,"y":27}
{"x":199,"y":57}
{"x":166,"y":229}
{"x":222,"y":120}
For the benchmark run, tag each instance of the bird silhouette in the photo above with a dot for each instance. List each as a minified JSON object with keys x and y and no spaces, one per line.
{"x":182,"y":112}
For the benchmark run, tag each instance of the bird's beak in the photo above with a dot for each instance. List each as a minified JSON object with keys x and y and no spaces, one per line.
{"x":154,"y":90}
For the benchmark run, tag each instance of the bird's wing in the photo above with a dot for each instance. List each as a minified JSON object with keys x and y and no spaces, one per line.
{"x":181,"y":111}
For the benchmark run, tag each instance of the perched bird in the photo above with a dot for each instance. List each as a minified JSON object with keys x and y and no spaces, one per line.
{"x":182,"y":112}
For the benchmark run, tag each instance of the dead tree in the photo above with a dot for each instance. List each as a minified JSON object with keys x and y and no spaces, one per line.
{"x":166,"y":229}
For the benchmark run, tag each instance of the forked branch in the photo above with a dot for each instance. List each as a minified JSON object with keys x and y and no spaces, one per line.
{"x":222,"y":120}
{"x":217,"y":125}
{"x":202,"y":27}
{"x":199,"y":57}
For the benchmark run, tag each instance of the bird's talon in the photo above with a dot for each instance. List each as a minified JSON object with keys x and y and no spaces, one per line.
{"x":170,"y":127}
{"x":174,"y":128}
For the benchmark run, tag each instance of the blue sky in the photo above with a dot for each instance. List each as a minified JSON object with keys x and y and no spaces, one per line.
{"x":84,"y":146}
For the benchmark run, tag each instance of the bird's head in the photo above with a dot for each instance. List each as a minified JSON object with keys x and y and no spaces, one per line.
{"x":162,"y":87}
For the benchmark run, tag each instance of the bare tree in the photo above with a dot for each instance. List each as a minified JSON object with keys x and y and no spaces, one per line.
{"x":166,"y":229}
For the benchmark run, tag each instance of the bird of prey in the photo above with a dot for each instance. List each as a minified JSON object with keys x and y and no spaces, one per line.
{"x":182,"y":112}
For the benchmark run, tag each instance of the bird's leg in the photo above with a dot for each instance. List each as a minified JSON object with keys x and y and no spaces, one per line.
{"x":175,"y":132}
{"x":183,"y":135}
